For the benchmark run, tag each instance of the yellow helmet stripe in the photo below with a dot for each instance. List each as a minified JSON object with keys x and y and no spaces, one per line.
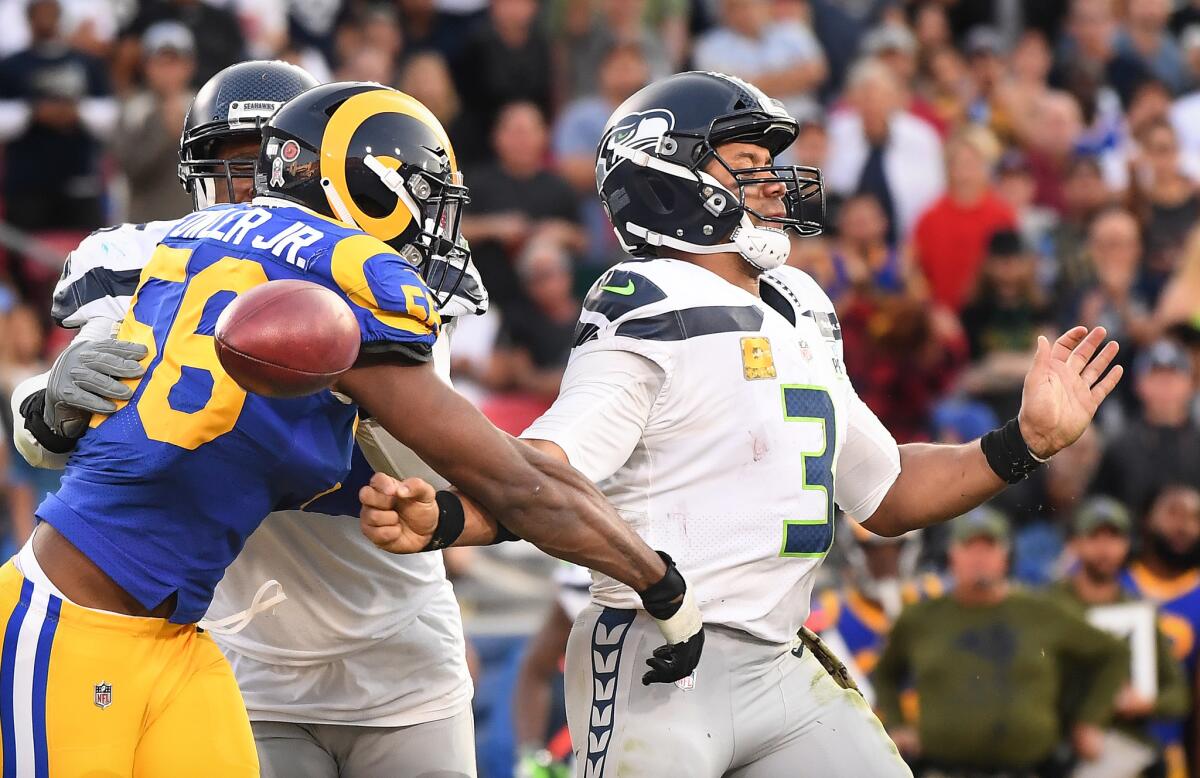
{"x":335,"y":144}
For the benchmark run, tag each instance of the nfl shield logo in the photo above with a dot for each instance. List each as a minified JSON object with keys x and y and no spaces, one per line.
{"x":103,"y":696}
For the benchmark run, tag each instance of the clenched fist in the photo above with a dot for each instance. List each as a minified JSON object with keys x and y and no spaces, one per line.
{"x":398,"y":516}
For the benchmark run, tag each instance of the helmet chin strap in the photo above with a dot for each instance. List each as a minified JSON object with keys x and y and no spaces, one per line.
{"x":765,"y":248}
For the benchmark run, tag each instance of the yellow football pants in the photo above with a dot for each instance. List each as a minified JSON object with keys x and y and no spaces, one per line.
{"x":90,"y":694}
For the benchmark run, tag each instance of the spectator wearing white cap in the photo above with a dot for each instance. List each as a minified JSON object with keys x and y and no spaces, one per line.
{"x":147,"y":143}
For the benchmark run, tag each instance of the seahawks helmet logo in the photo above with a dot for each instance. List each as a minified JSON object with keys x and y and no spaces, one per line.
{"x":641,"y":130}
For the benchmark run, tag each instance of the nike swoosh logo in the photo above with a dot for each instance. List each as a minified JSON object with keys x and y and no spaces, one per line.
{"x":621,"y":290}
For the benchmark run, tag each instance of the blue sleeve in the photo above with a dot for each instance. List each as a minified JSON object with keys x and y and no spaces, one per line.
{"x":390,"y":301}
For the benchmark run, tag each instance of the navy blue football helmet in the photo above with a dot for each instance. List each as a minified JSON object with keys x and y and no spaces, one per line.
{"x":650,"y":171}
{"x":234,"y":104}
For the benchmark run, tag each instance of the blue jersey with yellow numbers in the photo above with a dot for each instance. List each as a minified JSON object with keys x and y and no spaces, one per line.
{"x":163,"y":493}
{"x":862,"y":623}
{"x":1178,"y":602}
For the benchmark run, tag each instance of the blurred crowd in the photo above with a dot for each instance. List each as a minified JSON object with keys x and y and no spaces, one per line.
{"x":995,"y":170}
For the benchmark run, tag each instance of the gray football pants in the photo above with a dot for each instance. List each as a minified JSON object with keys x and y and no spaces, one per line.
{"x":754,"y":710}
{"x":434,"y":749}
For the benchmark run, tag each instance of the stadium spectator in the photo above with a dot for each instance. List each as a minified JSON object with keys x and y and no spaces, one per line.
{"x":902,"y":357}
{"x":1162,"y":445}
{"x":1085,"y":196}
{"x":218,"y":36}
{"x":147,"y":140}
{"x":543,"y":744}
{"x":592,"y":29}
{"x":1100,"y":542}
{"x":55,"y":110}
{"x":428,"y":29}
{"x":21,"y":356}
{"x":1090,"y":45}
{"x":1035,"y":223}
{"x":1049,"y":140}
{"x":879,"y":578}
{"x":1006,"y":313}
{"x":505,"y":59}
{"x":947,"y":89}
{"x":1115,"y":300}
{"x":862,"y":260}
{"x":427,"y":77}
{"x":1145,"y":37}
{"x":1180,"y":300}
{"x":895,"y":46}
{"x":536,"y":338}
{"x":950,"y":239}
{"x":499,"y":223}
{"x":1167,"y":201}
{"x":985,"y":50}
{"x":1166,"y":572}
{"x":1029,"y":66}
{"x":986,"y":663}
{"x":623,"y":71}
{"x":370,"y":46}
{"x":883,"y":149}
{"x":1044,"y":506}
{"x":1167,"y":568}
{"x":782,"y":58}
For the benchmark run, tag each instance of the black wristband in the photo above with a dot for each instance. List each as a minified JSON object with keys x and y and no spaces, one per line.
{"x":451,"y":519}
{"x":1008,"y":454}
{"x":503,"y":535}
{"x":663,"y":599}
{"x":33,"y":410}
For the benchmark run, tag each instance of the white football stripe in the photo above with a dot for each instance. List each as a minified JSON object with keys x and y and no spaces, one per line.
{"x":27,"y":641}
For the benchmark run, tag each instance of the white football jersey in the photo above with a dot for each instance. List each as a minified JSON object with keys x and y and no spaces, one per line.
{"x":750,"y":433}
{"x":364,"y":637}
{"x":102,"y":273}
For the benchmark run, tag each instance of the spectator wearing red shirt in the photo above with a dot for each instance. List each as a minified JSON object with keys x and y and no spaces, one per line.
{"x":950,"y":239}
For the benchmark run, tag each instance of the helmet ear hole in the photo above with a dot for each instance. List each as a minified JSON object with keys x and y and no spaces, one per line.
{"x":656,"y":192}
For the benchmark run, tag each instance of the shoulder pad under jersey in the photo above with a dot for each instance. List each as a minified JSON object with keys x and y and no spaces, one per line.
{"x":663,"y":300}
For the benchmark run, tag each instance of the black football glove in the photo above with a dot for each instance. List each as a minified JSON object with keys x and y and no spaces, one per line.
{"x":671,"y":604}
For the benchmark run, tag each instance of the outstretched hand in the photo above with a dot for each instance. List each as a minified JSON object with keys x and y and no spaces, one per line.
{"x":398,"y":516}
{"x":1064,"y":387}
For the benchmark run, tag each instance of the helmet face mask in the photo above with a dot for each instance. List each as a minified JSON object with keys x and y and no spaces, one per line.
{"x":653,"y":171}
{"x":233,"y":106}
{"x":204,"y":178}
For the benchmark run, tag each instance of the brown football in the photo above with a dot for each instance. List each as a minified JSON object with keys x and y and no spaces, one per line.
{"x":287,"y":338}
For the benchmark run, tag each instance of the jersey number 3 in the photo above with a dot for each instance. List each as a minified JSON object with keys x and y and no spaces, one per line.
{"x":186,"y":352}
{"x":812,"y":537}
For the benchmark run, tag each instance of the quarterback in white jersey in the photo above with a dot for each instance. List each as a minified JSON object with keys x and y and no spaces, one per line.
{"x":707,"y":398}
{"x":356,"y":661}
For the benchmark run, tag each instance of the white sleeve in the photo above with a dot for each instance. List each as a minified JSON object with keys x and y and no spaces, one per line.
{"x":26,"y":444}
{"x":867,"y":465}
{"x":601,"y":410}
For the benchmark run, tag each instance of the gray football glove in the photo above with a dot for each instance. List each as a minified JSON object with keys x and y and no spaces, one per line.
{"x":84,"y":381}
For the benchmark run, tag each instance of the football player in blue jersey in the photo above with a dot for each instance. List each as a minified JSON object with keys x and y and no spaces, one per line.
{"x":385,"y":678}
{"x":102,"y":664}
